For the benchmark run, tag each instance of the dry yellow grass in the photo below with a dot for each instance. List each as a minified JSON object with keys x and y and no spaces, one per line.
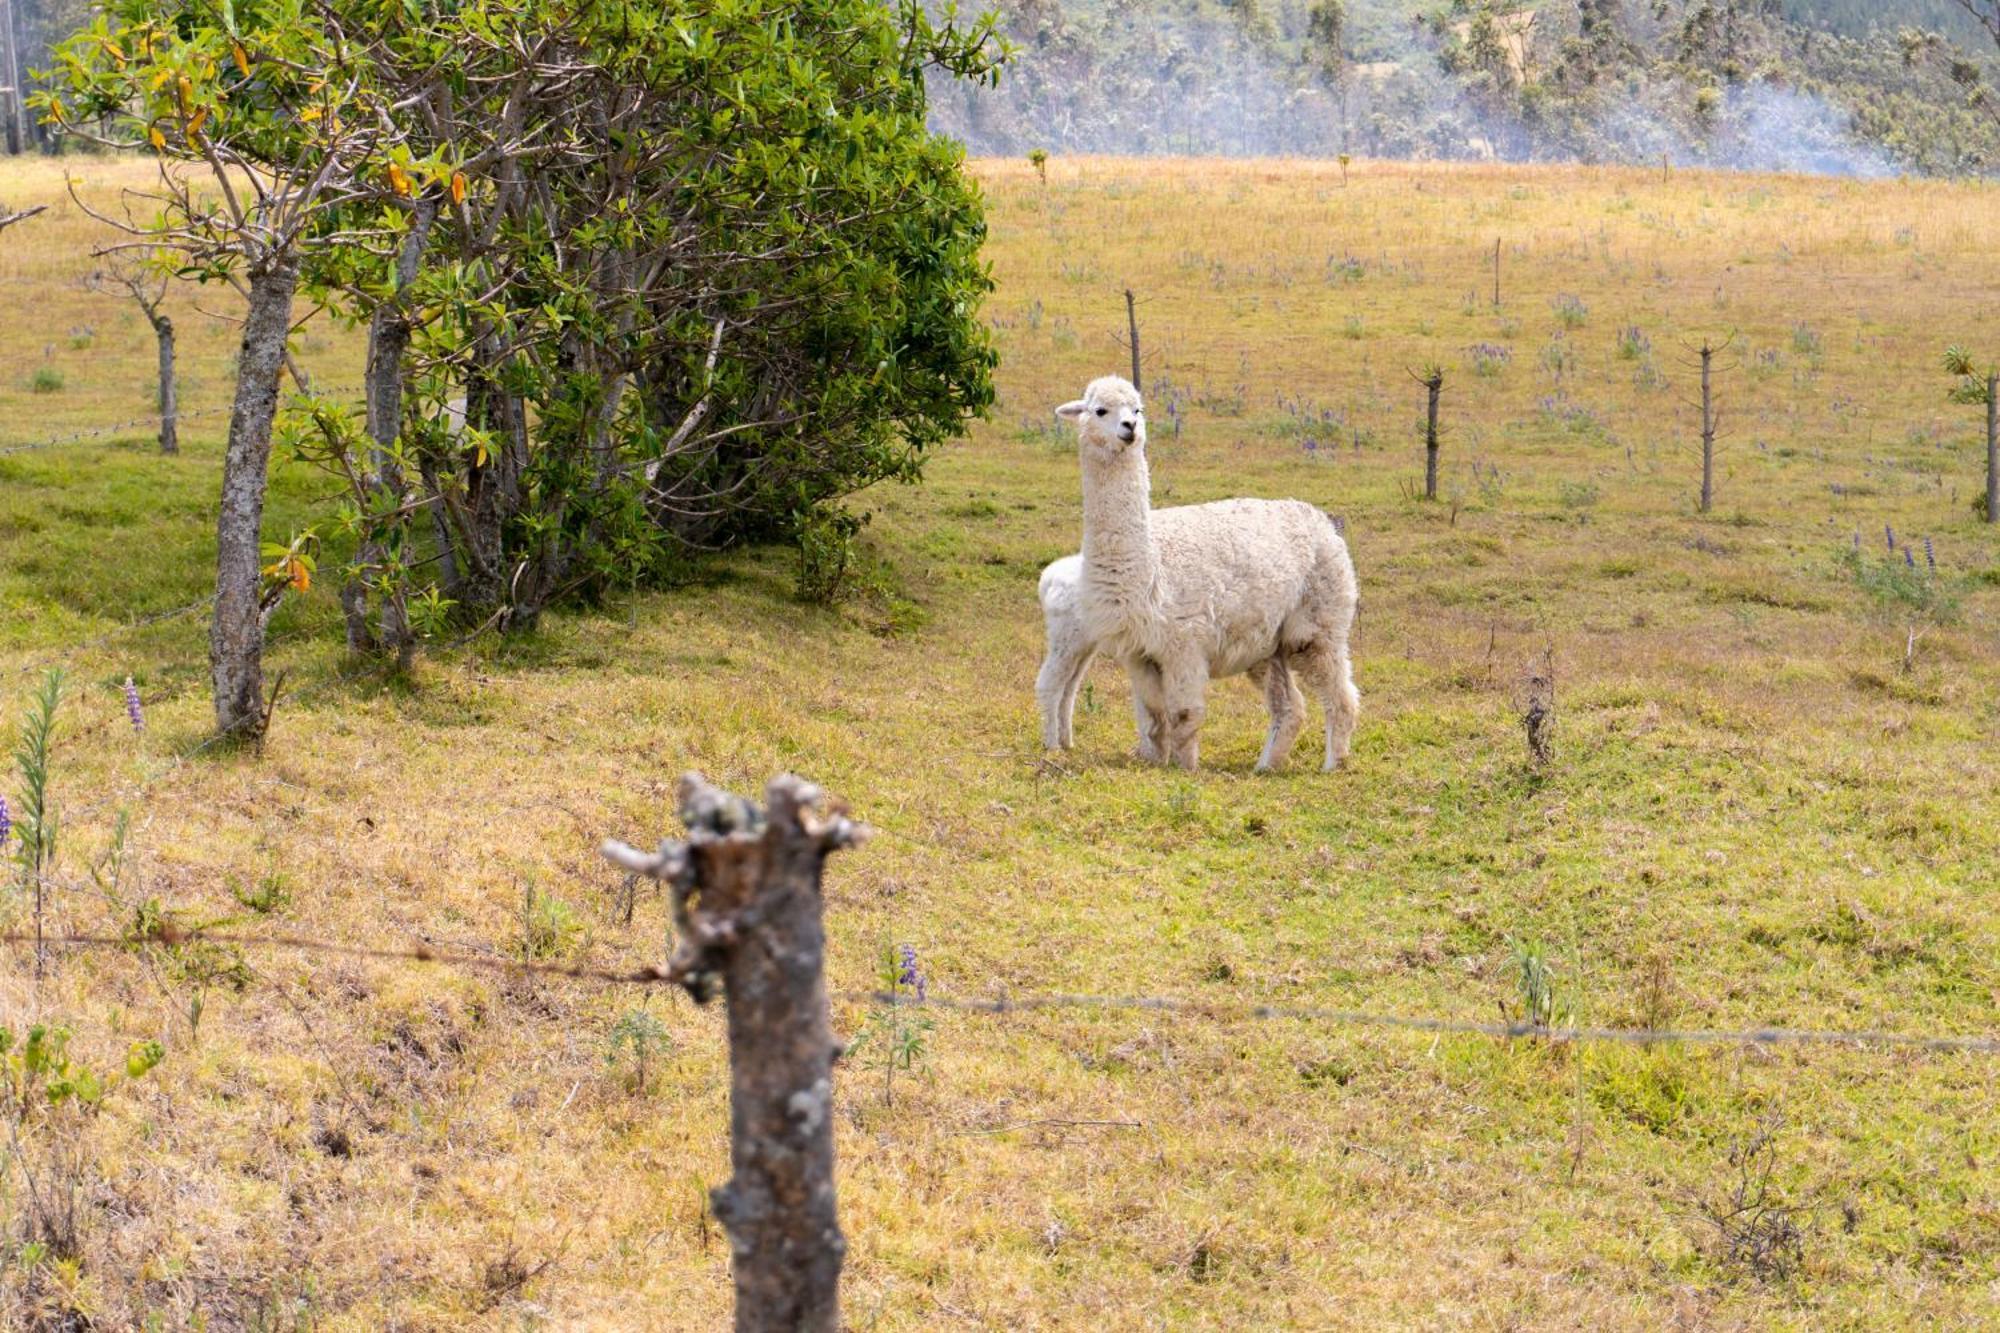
{"x":1755,"y":814}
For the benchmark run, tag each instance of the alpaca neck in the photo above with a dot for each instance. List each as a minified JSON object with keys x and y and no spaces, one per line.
{"x":1118,"y":556}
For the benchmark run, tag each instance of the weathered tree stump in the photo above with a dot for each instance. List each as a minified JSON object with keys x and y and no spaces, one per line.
{"x":747,"y":912}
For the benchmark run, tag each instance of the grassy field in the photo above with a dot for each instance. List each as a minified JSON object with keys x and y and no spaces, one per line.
{"x":1772,"y":801}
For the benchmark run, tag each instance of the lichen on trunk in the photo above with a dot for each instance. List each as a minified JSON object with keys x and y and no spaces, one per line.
{"x":236,"y":635}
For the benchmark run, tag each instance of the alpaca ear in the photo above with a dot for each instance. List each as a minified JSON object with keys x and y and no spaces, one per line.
{"x":1071,"y":411}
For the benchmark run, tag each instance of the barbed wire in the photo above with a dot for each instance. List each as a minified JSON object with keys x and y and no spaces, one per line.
{"x":168,"y":934}
{"x":77,"y":650}
{"x":99,"y":432}
{"x":151,"y":420}
{"x":1242,"y":1012}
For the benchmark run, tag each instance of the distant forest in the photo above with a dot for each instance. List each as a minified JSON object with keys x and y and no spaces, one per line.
{"x":1865,"y":87}
{"x":1847,"y":86}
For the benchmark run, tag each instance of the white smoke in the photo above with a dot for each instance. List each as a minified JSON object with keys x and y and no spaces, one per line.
{"x":1189,"y":84}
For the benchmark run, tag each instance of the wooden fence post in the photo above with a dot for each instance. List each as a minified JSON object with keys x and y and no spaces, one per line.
{"x":1707,"y":430}
{"x":1132,"y":323}
{"x":747,"y":914}
{"x":1993,"y":448}
{"x":1435,"y":384}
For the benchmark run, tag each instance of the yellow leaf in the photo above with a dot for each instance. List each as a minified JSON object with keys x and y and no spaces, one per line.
{"x":242,"y":58}
{"x":184,"y":90}
{"x":301,"y":577}
{"x":399,"y":180}
{"x":458,"y":187}
{"x":311,"y":113}
{"x":158,"y":139}
{"x":194,"y":126}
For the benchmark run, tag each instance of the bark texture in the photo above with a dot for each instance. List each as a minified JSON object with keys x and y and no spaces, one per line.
{"x":1435,"y":386}
{"x":1993,"y":448}
{"x":236,"y":636}
{"x":1707,"y":428}
{"x":170,"y":440}
{"x":747,"y":908}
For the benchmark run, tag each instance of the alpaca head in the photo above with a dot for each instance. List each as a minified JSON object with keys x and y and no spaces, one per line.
{"x":1110,"y":418}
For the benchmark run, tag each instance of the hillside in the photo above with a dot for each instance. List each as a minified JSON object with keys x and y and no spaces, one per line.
{"x":1814,"y":85}
{"x":1770,"y":803}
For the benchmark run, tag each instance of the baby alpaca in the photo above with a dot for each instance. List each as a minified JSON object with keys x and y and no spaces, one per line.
{"x":1071,"y":651}
{"x":1182,"y":595}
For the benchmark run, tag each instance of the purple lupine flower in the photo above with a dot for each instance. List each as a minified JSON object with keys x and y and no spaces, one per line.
{"x":132,"y":705}
{"x":1909,"y":559}
{"x":1890,"y":534}
{"x":6,"y":822}
{"x":1857,"y":541}
{"x":1930,"y":555}
{"x":908,"y":974}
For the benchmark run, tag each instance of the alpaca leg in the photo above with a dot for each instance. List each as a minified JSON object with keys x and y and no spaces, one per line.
{"x":1185,"y":686}
{"x":1148,"y":724}
{"x":1147,"y":710}
{"x":1327,"y":672}
{"x":1055,"y":686}
{"x":1070,"y":691}
{"x":1287,"y":704}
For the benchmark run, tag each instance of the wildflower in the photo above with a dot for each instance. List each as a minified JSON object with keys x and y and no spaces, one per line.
{"x":1930,"y":555}
{"x":1857,"y":541}
{"x":1909,"y":559}
{"x":1889,"y":533}
{"x":132,"y":705}
{"x":6,"y":821}
{"x":908,"y":974}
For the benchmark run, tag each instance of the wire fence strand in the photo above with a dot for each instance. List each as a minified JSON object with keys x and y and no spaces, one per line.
{"x":149,"y":420}
{"x":1220,"y":1012}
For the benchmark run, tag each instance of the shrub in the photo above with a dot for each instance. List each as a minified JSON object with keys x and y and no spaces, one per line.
{"x":825,"y":538}
{"x":546,"y":926}
{"x":46,"y":379}
{"x":641,"y":1038}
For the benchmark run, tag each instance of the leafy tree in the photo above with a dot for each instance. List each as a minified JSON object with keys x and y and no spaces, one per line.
{"x":268,"y":130}
{"x":1326,"y":36}
{"x":694,"y":274}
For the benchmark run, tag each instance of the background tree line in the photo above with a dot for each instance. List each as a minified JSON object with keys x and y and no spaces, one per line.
{"x":1817,"y":84}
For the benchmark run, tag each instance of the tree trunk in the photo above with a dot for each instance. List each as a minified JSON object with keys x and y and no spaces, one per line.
{"x":388,"y":350}
{"x":10,"y":79}
{"x":747,"y":910}
{"x":170,"y":440}
{"x":236,"y":636}
{"x":1993,"y":448}
{"x":493,"y":488}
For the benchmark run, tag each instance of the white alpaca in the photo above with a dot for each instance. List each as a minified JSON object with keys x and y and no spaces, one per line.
{"x":1071,"y":651}
{"x":1179,"y":596}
